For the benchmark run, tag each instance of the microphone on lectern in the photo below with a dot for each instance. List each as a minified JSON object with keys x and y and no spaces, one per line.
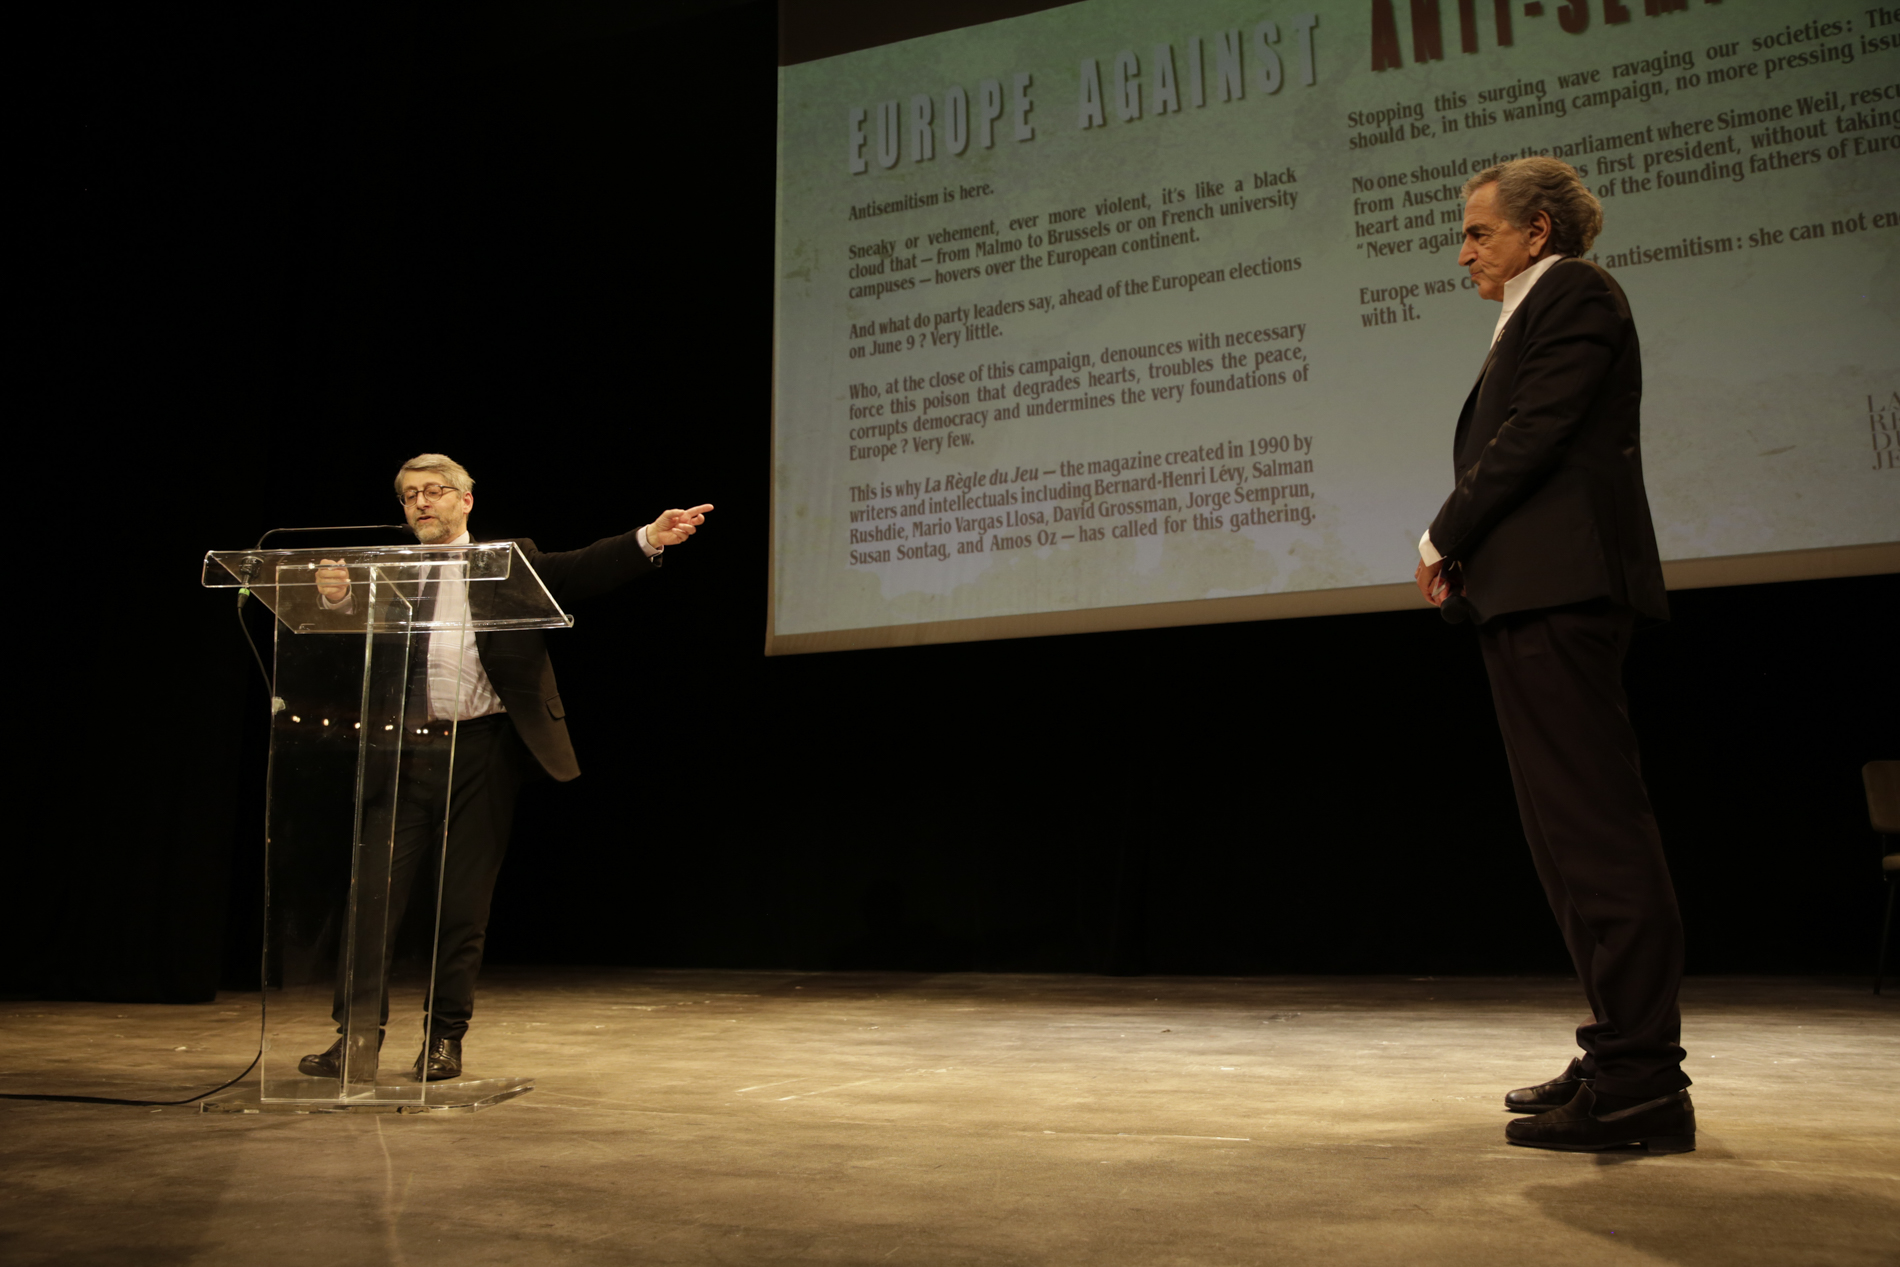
{"x":247,"y":572}
{"x":249,"y":569}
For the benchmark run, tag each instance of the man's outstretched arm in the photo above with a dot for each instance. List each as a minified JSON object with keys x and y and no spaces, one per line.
{"x":576,"y":575}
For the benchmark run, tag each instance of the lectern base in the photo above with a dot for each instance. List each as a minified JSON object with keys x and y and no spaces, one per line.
{"x":443,"y":1097}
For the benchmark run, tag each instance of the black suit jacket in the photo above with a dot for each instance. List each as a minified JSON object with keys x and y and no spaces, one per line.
{"x":516,"y":660}
{"x":1549,"y":507}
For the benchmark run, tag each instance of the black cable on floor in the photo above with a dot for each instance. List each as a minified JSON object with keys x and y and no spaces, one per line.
{"x":160,"y":1104}
{"x":263,"y":993}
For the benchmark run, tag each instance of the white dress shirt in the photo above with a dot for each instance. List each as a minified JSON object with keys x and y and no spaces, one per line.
{"x":459,"y":688}
{"x":1514,"y":292}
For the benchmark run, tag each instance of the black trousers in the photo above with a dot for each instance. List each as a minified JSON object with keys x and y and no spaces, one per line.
{"x":478,"y":809}
{"x":1557,"y":681}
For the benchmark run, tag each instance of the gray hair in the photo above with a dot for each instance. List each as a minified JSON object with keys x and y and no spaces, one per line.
{"x":439,"y":464}
{"x":1552,"y":186}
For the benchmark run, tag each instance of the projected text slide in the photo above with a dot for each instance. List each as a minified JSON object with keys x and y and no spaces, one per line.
{"x":1123,"y":304}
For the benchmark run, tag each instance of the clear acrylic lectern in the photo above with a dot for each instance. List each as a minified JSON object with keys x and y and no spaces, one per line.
{"x":347,"y":712}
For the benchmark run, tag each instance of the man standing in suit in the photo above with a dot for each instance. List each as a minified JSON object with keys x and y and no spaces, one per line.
{"x":490,"y":700}
{"x":1545,"y":544}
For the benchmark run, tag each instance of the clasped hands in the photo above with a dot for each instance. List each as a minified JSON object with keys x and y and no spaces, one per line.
{"x":1439,"y":581}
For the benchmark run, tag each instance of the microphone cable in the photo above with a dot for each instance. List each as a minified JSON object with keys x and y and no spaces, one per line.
{"x":263,"y":992}
{"x":160,"y":1104}
{"x":263,"y":985}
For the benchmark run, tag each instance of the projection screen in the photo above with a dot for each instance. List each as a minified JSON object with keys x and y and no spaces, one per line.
{"x":1121,"y":314}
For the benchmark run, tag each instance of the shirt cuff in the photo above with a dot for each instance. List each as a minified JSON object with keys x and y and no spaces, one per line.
{"x":1426,"y":550}
{"x":652,"y":551}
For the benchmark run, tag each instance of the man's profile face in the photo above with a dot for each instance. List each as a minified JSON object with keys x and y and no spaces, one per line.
{"x":439,"y":519}
{"x":1495,"y":250}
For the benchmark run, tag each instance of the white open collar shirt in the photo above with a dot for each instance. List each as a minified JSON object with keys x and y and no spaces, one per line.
{"x":459,"y":689}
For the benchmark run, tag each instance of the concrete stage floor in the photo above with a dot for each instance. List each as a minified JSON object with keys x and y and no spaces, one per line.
{"x":762,"y":1118}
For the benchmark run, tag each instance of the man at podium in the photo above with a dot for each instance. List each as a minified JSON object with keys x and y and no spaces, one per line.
{"x":494,"y":693}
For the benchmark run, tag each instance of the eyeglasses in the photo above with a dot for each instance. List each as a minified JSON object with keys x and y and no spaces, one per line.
{"x":430,"y":492}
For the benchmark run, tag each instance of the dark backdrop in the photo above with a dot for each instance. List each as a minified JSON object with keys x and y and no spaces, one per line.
{"x":277,"y":249}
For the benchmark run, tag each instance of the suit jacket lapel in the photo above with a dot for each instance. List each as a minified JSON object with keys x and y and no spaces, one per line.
{"x":480,"y":598}
{"x":1471,"y":407}
{"x":1489,"y":357}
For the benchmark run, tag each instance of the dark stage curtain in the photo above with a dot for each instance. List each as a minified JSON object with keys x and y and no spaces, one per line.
{"x":277,"y":249}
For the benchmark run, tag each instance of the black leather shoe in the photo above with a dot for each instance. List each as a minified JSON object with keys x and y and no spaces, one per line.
{"x":1663,"y":1125}
{"x":443,"y":1059}
{"x":328,"y":1063}
{"x":1546,"y":1096}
